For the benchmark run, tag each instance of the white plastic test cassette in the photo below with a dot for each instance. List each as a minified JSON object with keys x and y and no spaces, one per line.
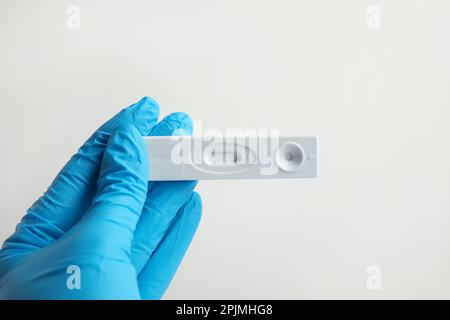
{"x":198,"y":158}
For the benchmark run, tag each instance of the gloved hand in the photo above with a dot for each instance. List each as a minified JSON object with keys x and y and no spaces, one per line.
{"x":101,"y":230}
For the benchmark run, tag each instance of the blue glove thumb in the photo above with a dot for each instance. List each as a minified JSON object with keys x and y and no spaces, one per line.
{"x":98,"y":246}
{"x":121,"y":193}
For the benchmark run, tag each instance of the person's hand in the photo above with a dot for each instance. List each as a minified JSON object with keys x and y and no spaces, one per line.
{"x":101,"y":230}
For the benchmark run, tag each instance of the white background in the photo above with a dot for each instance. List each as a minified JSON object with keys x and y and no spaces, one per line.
{"x":379,"y":101}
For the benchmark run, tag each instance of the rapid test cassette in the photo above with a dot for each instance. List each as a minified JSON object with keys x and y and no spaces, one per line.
{"x":200,"y":158}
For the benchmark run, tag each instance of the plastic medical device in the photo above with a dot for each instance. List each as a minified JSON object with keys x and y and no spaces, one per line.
{"x":197,"y":158}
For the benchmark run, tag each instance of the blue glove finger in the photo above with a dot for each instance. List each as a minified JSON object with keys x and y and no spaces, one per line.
{"x":160,"y":269}
{"x":71,"y":192}
{"x":109,"y":223}
{"x":164,"y":199}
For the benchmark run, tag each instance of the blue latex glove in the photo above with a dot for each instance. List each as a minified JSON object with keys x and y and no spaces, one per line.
{"x":103,"y":221}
